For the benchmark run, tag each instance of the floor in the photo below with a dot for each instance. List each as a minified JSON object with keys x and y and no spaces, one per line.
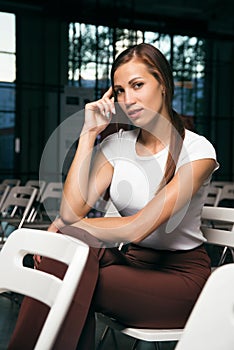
{"x":8,"y":315}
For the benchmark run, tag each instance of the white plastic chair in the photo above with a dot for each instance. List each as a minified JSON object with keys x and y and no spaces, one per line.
{"x":214,"y":236}
{"x":221,"y":183}
{"x":39,"y":184}
{"x":210,"y":325}
{"x":16,"y":208}
{"x":48,"y":207}
{"x":213,"y":196}
{"x":4,"y":190}
{"x":52,"y":291}
{"x":12,"y":182}
{"x":227,"y":193}
{"x":220,"y":222}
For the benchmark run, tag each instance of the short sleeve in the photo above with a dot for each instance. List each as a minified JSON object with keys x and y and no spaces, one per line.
{"x":196,"y":147}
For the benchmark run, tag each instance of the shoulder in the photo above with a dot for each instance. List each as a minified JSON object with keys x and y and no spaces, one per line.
{"x":193,"y":140}
{"x":196,"y":147}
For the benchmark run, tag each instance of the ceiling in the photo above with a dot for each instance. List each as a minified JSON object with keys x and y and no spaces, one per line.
{"x":209,"y":18}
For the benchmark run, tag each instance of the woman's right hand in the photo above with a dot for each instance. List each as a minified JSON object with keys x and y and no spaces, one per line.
{"x":54,"y":227}
{"x":98,"y":114}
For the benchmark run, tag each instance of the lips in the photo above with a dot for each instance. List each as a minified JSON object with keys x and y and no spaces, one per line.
{"x":134,"y":113}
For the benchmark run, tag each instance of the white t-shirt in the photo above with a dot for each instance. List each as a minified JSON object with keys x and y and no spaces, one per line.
{"x":136,"y":179}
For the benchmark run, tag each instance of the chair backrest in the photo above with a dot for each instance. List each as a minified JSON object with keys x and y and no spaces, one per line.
{"x":210,"y":325}
{"x":218,"y":225}
{"x":221,"y":183}
{"x":50,"y":200}
{"x":4,"y":190}
{"x":12,"y":182}
{"x":227,"y":193}
{"x":213,"y":196}
{"x":39,"y":184}
{"x":20,"y":199}
{"x":52,"y":291}
{"x":52,"y":190}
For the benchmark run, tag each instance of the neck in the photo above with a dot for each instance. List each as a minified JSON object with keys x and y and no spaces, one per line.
{"x":148,"y":144}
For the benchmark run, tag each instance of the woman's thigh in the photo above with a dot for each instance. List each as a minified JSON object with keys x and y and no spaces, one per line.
{"x":145,"y":298}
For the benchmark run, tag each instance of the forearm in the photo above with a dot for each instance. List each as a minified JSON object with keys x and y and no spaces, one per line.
{"x":109,"y":229}
{"x":167,"y":202}
{"x":132,"y":228}
{"x":75,"y":193}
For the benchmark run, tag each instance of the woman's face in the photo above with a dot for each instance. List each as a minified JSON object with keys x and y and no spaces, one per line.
{"x":139,"y":94}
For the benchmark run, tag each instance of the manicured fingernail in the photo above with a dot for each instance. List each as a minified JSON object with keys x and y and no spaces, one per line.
{"x":108,"y":115}
{"x":113,"y":110}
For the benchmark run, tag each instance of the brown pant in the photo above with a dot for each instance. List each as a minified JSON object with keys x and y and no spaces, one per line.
{"x":142,"y":288}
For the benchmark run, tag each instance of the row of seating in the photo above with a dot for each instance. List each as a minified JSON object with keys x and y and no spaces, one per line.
{"x":220,"y":194}
{"x":215,"y":234}
{"x":210,"y":324}
{"x":35,"y":202}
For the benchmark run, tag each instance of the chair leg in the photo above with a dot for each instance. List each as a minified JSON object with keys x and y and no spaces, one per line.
{"x":156,"y":345}
{"x":136,"y":342}
{"x":134,"y":345}
{"x":114,"y":338}
{"x":232,"y":253}
{"x":104,"y":336}
{"x":223,"y":256}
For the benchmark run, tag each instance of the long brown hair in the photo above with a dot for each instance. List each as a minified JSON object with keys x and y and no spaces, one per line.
{"x":160,"y":68}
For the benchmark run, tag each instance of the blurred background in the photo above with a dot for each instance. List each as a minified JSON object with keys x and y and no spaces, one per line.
{"x":56,"y":56}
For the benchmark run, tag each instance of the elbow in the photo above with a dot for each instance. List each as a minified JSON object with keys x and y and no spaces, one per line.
{"x":136,"y":230}
{"x":141,"y":227}
{"x":68,"y":215}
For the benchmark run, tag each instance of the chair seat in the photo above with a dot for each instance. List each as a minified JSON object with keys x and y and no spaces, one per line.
{"x":145,"y":334}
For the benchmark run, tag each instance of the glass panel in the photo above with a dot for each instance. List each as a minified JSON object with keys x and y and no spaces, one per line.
{"x":161,"y":41}
{"x":7,"y":67}
{"x":7,"y":30}
{"x":7,"y":91}
{"x":7,"y":147}
{"x":93,"y":48}
{"x":188,"y":68}
{"x":7,"y":100}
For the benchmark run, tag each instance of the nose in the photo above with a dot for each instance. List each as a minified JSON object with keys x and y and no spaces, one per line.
{"x":129,"y":97}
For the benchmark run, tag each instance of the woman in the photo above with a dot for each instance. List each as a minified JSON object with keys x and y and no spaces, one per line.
{"x":158,"y":173}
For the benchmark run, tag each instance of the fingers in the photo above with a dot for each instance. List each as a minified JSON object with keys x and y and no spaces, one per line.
{"x":105,"y":106}
{"x":37,"y":260}
{"x":109,"y":99}
{"x":108,"y":93}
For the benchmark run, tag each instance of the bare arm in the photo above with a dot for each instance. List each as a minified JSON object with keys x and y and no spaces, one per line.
{"x":84,"y":185}
{"x":167,"y":202}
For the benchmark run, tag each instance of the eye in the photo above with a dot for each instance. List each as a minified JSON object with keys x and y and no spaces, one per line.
{"x":118,"y":91}
{"x":138,"y":85}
